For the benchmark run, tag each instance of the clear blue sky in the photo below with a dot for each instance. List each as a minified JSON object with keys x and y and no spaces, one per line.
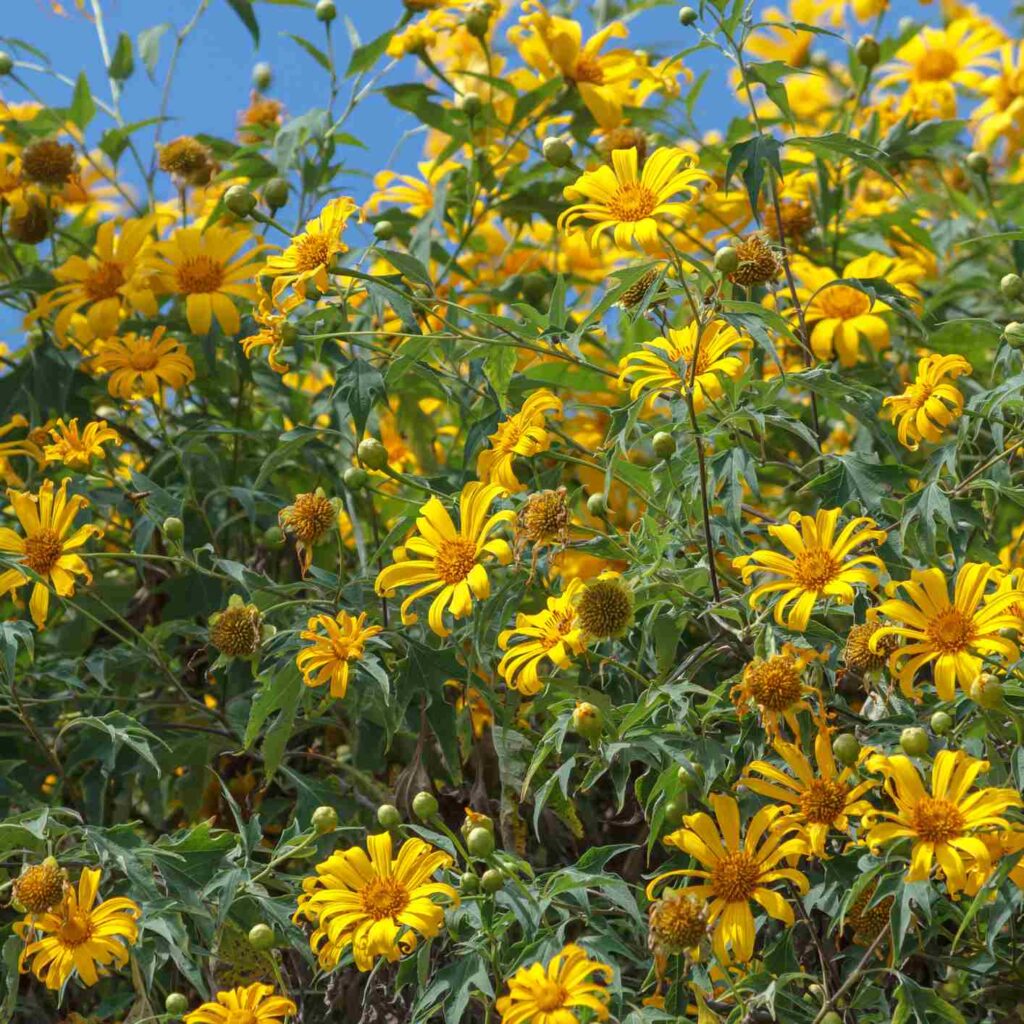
{"x":213,"y":79}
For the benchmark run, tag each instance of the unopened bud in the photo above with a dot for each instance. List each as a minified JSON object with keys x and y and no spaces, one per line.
{"x":372,"y":454}
{"x":556,"y":151}
{"x":868,"y":51}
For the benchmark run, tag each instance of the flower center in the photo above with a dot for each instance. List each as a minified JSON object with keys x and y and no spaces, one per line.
{"x":549,"y":995}
{"x":815,"y":567}
{"x":588,"y":70}
{"x":735,"y":877}
{"x":42,"y":550}
{"x":312,"y":251}
{"x":937,"y":821}
{"x":823,"y":801}
{"x":241,"y":1017}
{"x":199,"y":274}
{"x":843,"y":302}
{"x":383,"y":897}
{"x":75,"y":929}
{"x":951,"y":631}
{"x":310,"y":517}
{"x":454,"y":560}
{"x":774,"y":684}
{"x":143,"y":358}
{"x":632,"y":201}
{"x":936,"y":65}
{"x":104,"y":281}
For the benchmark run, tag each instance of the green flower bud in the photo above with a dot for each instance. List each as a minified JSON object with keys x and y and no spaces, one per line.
{"x":6,"y":63}
{"x":987,"y":691}
{"x":597,"y":505}
{"x":469,"y":883}
{"x":846,"y":748}
{"x":273,"y":538}
{"x":262,"y":76}
{"x":557,"y":151}
{"x":977,"y":162}
{"x":261,"y":937}
{"x":372,"y":454}
{"x":275,"y":192}
{"x":687,"y":779}
{"x":239,"y":200}
{"x":424,"y":805}
{"x":355,"y":478}
{"x":831,"y":1018}
{"x":492,"y":880}
{"x":674,"y":812}
{"x":325,"y":819}
{"x":727,"y":259}
{"x":941,"y":723}
{"x":471,"y":104}
{"x":480,"y":843}
{"x":867,"y":51}
{"x":588,"y":721}
{"x":389,"y":816}
{"x":173,"y":529}
{"x":1012,"y":286}
{"x":478,"y":21}
{"x":1014,"y":334}
{"x":326,"y":11}
{"x":664,"y":445}
{"x":914,"y":741}
{"x":687,"y":16}
{"x":176,"y":1004}
{"x":383,"y":230}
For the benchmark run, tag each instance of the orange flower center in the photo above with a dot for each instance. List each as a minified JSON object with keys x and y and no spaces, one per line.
{"x":312,"y":251}
{"x":843,"y":302}
{"x":199,"y":274}
{"x":735,"y":877}
{"x":937,"y":65}
{"x":454,"y":560}
{"x":632,"y":201}
{"x":549,"y":996}
{"x":823,"y":801}
{"x":104,"y":281}
{"x":42,"y":551}
{"x":143,"y":358}
{"x":815,"y":568}
{"x":589,"y":70}
{"x":75,"y":929}
{"x":383,"y":897}
{"x":951,"y":631}
{"x":774,"y":684}
{"x":936,"y":820}
{"x":241,"y":1017}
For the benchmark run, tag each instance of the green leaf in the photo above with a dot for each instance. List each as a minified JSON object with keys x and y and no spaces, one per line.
{"x":148,"y":45}
{"x":924,"y":1004}
{"x":499,"y":365}
{"x":856,"y":476}
{"x":407,"y":265}
{"x":923,"y":512}
{"x":318,"y":55}
{"x":752,"y":155}
{"x":243,"y":8}
{"x":362,"y":387}
{"x":771,"y":75}
{"x":364,"y":57}
{"x":83,"y":107}
{"x":12,"y":978}
{"x":123,"y":62}
{"x":288,"y":683}
{"x":838,"y":144}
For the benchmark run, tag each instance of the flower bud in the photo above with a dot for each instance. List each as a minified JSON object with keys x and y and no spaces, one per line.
{"x":727,"y":260}
{"x":588,"y":721}
{"x":325,"y":819}
{"x":262,"y":76}
{"x":478,"y":21}
{"x":424,"y":805}
{"x":480,"y":842}
{"x":687,"y":16}
{"x":664,"y":445}
{"x":261,"y":937}
{"x":383,"y":230}
{"x":275,"y":192}
{"x":846,"y":748}
{"x":535,"y":288}
{"x":557,"y":151}
{"x":987,"y":691}
{"x":239,"y":200}
{"x":868,"y":51}
{"x":469,"y":883}
{"x":914,"y":741}
{"x":597,"y":505}
{"x":492,"y":880}
{"x":6,"y":63}
{"x":326,"y":11}
{"x":941,"y":723}
{"x":471,"y":104}
{"x":1012,"y":286}
{"x":355,"y":478}
{"x":674,"y":812}
{"x":687,"y":778}
{"x":173,"y":528}
{"x":176,"y":1004}
{"x":1014,"y":334}
{"x":372,"y":454}
{"x":389,"y":816}
{"x":977,"y":162}
{"x":273,"y":538}
{"x":831,"y":1018}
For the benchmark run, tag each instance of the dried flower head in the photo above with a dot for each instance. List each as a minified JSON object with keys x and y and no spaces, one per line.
{"x":676,"y":923}
{"x":236,"y":631}
{"x":759,"y":262}
{"x":605,"y":607}
{"x":308,"y":518}
{"x":858,"y":654}
{"x":624,"y":137}
{"x":187,"y":158}
{"x":48,"y":163}
{"x":40,"y":887}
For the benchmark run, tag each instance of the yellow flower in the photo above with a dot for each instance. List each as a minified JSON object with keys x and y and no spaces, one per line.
{"x":141,"y":367}
{"x":26,"y":446}
{"x":417,"y":195}
{"x":254,"y":1004}
{"x":737,"y":869}
{"x":447,"y":559}
{"x":840,"y":315}
{"x":554,"y":46}
{"x":77,"y":450}
{"x":327,"y":657}
{"x":111,"y":279}
{"x":821,"y":801}
{"x":308,"y":256}
{"x":943,"y":825}
{"x":821,"y":564}
{"x":666,"y":365}
{"x":956,"y":635}
{"x":776,"y":686}
{"x":554,"y":634}
{"x":376,"y":904}
{"x":206,"y":268}
{"x":48,"y":547}
{"x":937,"y":57}
{"x":1002,"y":113}
{"x":550,"y":993}
{"x":629,"y":202}
{"x":79,"y":936}
{"x":269,"y":334}
{"x":778,"y":38}
{"x":522,"y":434}
{"x":931,"y":403}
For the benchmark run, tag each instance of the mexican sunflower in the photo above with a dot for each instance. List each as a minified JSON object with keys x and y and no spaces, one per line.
{"x":823,"y":801}
{"x":550,"y":993}
{"x":629,"y":202}
{"x":955,"y":636}
{"x":79,"y":935}
{"x":737,"y":869}
{"x":666,"y":365}
{"x":820,"y":564}
{"x":77,"y":448}
{"x":522,"y":434}
{"x":373,"y":903}
{"x":944,"y":825}
{"x":252,"y":1004}
{"x":930,"y":403}
{"x":328,"y":656}
{"x":449,"y":559}
{"x":141,"y":367}
{"x":48,"y":547}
